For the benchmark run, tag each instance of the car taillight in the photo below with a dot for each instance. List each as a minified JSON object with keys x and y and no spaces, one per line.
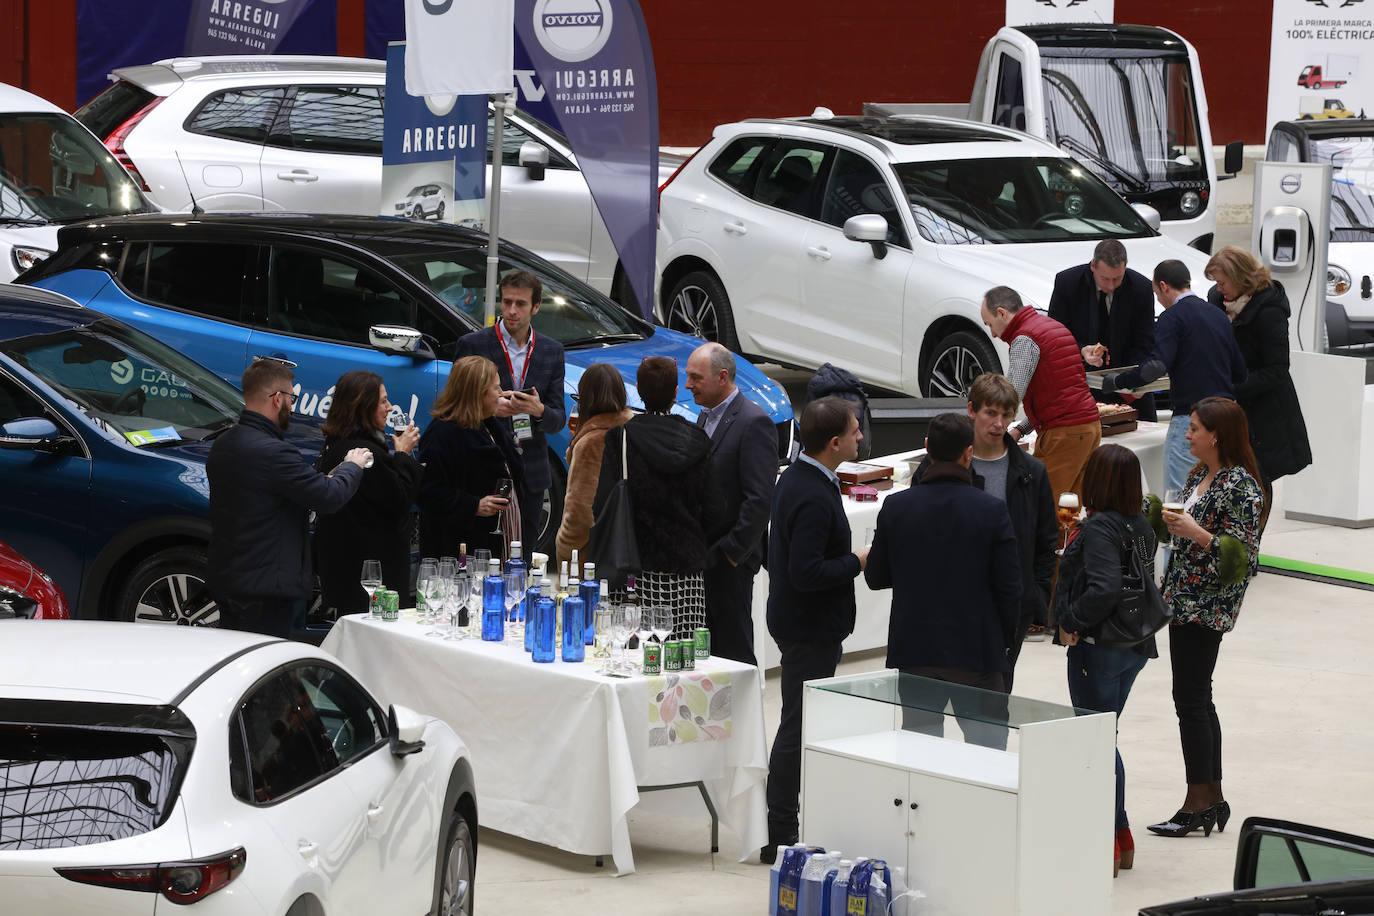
{"x":115,"y":141}
{"x":179,"y":882}
{"x":675,"y":174}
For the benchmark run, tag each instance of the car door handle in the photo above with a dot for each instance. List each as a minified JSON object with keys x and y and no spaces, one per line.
{"x":298,"y":175}
{"x":737,"y":228}
{"x":306,"y":848}
{"x":819,"y":253}
{"x":374,"y":811}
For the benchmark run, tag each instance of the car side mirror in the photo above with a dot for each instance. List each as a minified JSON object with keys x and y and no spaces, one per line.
{"x":399,"y":340}
{"x":37,"y":434}
{"x":1233,"y":161}
{"x":870,"y":228}
{"x":1148,"y":213}
{"x":535,"y":159}
{"x":407,"y":729}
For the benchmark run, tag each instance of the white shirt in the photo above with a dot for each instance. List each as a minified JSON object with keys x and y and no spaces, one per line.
{"x":516,"y":354}
{"x":713,"y":414}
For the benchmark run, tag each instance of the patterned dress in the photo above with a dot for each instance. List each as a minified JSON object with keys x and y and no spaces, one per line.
{"x":1232,"y":505}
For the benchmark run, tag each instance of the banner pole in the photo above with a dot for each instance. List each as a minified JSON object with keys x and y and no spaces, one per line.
{"x":499,"y":103}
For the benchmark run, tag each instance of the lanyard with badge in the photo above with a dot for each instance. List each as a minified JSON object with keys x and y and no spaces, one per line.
{"x":524,"y":425}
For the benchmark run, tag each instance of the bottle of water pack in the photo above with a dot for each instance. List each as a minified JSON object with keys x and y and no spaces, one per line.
{"x":810,"y":889}
{"x":835,"y":887}
{"x":789,"y":878}
{"x":774,"y":874}
{"x":591,"y":597}
{"x":574,"y":616}
{"x":543,"y":623}
{"x":493,"y":603}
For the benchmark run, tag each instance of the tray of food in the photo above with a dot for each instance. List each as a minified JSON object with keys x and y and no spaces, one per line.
{"x":1117,"y":418}
{"x":1095,"y":380}
{"x":862,"y":472}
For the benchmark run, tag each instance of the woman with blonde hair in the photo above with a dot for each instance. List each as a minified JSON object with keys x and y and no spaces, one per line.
{"x":1259,"y":311}
{"x":466,"y":453}
{"x":600,"y":406}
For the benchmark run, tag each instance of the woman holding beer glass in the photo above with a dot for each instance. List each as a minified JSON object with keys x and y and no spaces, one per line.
{"x":1215,"y":553}
{"x":466,"y":454}
{"x":374,"y":524}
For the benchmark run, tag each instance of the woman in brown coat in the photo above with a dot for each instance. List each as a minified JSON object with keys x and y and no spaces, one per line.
{"x":600,"y":406}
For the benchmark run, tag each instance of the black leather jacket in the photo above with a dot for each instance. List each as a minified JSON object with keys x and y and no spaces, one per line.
{"x":1090,"y":572}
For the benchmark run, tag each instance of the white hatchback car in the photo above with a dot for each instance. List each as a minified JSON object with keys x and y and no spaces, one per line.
{"x":869,"y":242}
{"x":300,"y":133}
{"x":425,"y":201}
{"x":226,"y":771}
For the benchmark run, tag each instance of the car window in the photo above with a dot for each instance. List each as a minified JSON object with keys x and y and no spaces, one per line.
{"x":331,"y":299}
{"x":53,"y":170}
{"x":788,"y":177}
{"x":856,"y":186}
{"x":1284,"y":859}
{"x":1281,"y":148}
{"x":735,"y":164}
{"x":1009,"y":107}
{"x":17,"y":401}
{"x":333,"y":119}
{"x":353,"y":722}
{"x":513,"y":135}
{"x":238,"y":114}
{"x":111,"y":108}
{"x":207,"y":279}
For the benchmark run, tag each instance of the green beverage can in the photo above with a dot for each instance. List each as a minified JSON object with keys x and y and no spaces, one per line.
{"x":391,"y":604}
{"x":672,"y":656}
{"x":653,"y":658}
{"x":374,"y":605}
{"x":689,"y":655}
{"x":701,"y":643}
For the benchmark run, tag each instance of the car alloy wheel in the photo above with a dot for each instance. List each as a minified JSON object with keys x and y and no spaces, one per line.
{"x":177,"y":598}
{"x":956,"y":361}
{"x":699,"y":306}
{"x":455,"y":891}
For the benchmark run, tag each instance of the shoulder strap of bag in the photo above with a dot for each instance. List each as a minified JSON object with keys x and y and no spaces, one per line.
{"x":624,"y":454}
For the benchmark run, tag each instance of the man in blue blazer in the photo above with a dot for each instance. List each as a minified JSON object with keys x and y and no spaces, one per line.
{"x":744,"y":467}
{"x":531,"y":370}
{"x":1107,"y":305}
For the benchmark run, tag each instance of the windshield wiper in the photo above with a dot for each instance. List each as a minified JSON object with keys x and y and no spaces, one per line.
{"x":22,"y":221}
{"x":603,"y":339}
{"x":1132,"y":182}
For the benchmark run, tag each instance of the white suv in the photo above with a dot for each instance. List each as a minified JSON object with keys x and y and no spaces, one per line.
{"x":869,"y":242}
{"x":305,"y":134}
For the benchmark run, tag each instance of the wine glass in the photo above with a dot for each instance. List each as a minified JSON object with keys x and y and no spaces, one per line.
{"x":660,"y":621}
{"x":429,"y":569}
{"x":372,"y":583}
{"x":436,"y":601}
{"x":645,"y":627}
{"x":515,"y":593}
{"x":455,"y":604}
{"x":1068,"y":513}
{"x":504,"y":486}
{"x":602,"y":637}
{"x":627,"y":623}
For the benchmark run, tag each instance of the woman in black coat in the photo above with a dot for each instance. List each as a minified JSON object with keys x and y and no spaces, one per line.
{"x":1259,"y":312}
{"x":375,"y":523}
{"x":466,"y":451}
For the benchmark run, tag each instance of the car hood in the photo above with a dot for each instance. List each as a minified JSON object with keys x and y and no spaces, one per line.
{"x":1030,"y":269}
{"x":625,"y":357}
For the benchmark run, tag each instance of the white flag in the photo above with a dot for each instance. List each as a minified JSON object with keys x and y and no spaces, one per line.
{"x":459,"y":47}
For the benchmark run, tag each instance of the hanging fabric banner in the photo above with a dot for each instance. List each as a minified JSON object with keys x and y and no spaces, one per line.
{"x":1321,"y":61}
{"x":459,"y":47}
{"x":239,"y":26}
{"x":596,"y":70}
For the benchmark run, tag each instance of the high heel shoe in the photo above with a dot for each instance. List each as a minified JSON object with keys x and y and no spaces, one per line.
{"x":1116,"y":858}
{"x":1222,"y":813}
{"x":1126,"y":843}
{"x":1185,"y":822}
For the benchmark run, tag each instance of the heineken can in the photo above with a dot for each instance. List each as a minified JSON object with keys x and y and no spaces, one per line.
{"x":374,"y":605}
{"x":391,"y":604}
{"x":689,"y":655}
{"x":701,"y":643}
{"x":653,"y":658}
{"x":672,"y":656}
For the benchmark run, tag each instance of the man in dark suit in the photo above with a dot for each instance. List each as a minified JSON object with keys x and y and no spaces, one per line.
{"x":531,"y":370}
{"x":811,"y":572}
{"x":744,"y":465}
{"x":1111,"y":311}
{"x":948,"y":552}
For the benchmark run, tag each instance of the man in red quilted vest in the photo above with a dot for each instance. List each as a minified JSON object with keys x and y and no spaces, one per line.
{"x":1047,"y":370}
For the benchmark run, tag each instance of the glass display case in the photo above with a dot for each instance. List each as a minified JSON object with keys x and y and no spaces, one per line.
{"x":994,"y":803}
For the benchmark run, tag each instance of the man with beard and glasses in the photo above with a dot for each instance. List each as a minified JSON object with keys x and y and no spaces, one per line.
{"x":261,"y":493}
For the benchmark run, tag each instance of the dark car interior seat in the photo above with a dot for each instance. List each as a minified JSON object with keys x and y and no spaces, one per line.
{"x":790,"y":184}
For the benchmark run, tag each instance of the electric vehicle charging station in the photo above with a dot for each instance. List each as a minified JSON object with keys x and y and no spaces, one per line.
{"x":1292,"y":212}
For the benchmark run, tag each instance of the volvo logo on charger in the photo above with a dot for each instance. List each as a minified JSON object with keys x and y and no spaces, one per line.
{"x":573,"y":30}
{"x":1290,"y":184}
{"x":437,"y":8}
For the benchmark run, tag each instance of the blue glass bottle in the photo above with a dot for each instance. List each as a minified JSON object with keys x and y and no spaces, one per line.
{"x":493,"y":604}
{"x":574,"y":615}
{"x":542,"y":623}
{"x":591,"y":596}
{"x":516,"y":564}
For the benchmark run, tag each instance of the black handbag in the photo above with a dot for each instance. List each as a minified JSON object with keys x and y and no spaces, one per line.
{"x":611,"y":543}
{"x":1141,"y":612}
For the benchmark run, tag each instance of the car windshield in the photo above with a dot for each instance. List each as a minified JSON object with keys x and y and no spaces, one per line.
{"x":128,"y":384}
{"x":53,"y":170}
{"x":1150,"y":136}
{"x":570,"y":312}
{"x":1011,"y":201}
{"x":1352,"y":185}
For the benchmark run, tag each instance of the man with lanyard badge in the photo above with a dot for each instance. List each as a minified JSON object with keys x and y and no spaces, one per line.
{"x":531,"y":370}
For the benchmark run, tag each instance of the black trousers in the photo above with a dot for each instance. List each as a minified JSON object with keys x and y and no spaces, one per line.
{"x":1193,"y":652}
{"x":1014,"y":651}
{"x":801,"y":661}
{"x":729,"y":611}
{"x":278,"y":617}
{"x":973,"y":711}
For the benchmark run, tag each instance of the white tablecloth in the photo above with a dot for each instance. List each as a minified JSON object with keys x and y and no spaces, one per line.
{"x":558,"y":751}
{"x":871,"y":611}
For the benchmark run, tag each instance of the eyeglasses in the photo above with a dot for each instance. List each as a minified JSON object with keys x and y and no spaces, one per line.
{"x":289,"y":394}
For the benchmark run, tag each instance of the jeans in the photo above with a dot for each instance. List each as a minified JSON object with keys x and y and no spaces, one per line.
{"x":1100,"y":679}
{"x":1193,"y":652}
{"x":1178,"y":459}
{"x":801,"y":661}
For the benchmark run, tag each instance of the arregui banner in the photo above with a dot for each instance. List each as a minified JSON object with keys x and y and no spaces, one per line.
{"x":239,"y":26}
{"x":596,"y":68}
{"x":461,"y":47}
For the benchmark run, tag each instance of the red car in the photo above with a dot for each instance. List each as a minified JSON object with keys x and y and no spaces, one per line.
{"x":26,"y":591}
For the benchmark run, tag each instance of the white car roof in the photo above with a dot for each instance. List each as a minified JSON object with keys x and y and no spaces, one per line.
{"x":165,"y":75}
{"x":107,"y":661}
{"x":14,"y":99}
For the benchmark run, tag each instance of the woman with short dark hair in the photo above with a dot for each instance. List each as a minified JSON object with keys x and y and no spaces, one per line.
{"x":670,"y":488}
{"x":1089,"y":589}
{"x":600,"y":406}
{"x":375,"y":523}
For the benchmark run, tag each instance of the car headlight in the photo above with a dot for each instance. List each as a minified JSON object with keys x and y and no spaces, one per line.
{"x":1190,"y":203}
{"x":14,"y":603}
{"x":24,"y":258}
{"x":1337,"y":280}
